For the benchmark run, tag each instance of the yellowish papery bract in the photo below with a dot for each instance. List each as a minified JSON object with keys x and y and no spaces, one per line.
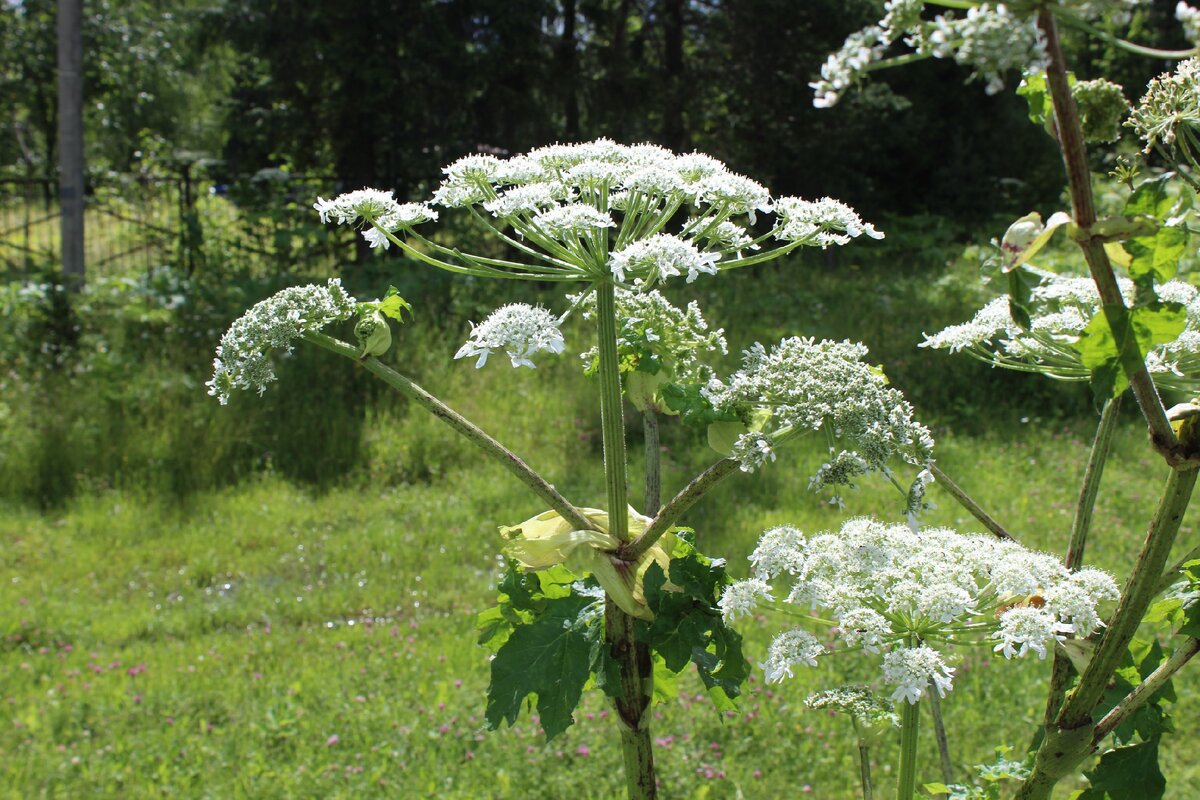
{"x":546,"y":540}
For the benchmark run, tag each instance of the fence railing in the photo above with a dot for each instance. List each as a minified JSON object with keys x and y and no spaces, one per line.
{"x":194,"y":222}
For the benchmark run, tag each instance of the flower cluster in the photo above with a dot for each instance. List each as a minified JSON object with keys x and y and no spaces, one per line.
{"x":378,"y":209}
{"x":868,"y":712}
{"x":598,"y":209}
{"x":886,"y":588}
{"x":1168,"y":115}
{"x":990,"y":39}
{"x":805,"y":385}
{"x":519,"y":329}
{"x":244,"y":355}
{"x":1060,"y":307}
{"x":656,"y":337}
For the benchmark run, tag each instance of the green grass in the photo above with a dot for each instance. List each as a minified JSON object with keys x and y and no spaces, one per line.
{"x":267,"y":641}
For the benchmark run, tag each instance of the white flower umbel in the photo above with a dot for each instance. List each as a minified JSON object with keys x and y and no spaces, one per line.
{"x":911,"y":669}
{"x":1168,"y":115}
{"x":806,"y":385}
{"x":662,"y":256}
{"x":519,"y":329}
{"x":884,"y":588}
{"x":822,"y":222}
{"x":790,"y":649}
{"x":990,"y":38}
{"x":1060,"y":308}
{"x":586,"y":212}
{"x":244,"y":355}
{"x":649,"y":327}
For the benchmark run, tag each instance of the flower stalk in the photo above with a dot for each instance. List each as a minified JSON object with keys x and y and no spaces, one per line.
{"x":910,"y":719}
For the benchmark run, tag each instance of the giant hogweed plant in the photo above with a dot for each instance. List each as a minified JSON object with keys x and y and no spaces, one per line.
{"x":1126,"y":322}
{"x":611,"y":596}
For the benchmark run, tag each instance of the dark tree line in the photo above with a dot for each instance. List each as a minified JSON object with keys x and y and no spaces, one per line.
{"x":384,"y":92}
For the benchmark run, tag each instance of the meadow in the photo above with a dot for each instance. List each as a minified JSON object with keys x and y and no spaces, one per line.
{"x":277,"y":598}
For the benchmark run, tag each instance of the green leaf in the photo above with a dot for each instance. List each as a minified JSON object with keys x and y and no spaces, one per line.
{"x":550,"y":658}
{"x":1021,"y":283}
{"x":1157,"y":256}
{"x":1125,"y":773}
{"x":1098,"y":351}
{"x":692,"y":406}
{"x":1150,"y":721}
{"x":1151,"y":199}
{"x":724,"y":434}
{"x":688,"y":626}
{"x":1151,"y":325}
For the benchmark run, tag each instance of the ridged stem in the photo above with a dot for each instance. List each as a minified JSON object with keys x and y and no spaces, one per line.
{"x":910,"y":720}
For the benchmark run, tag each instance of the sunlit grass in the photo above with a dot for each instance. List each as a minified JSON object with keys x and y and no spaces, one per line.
{"x":268,"y":641}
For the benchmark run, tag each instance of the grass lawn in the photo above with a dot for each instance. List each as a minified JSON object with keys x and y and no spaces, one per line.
{"x":268,"y":641}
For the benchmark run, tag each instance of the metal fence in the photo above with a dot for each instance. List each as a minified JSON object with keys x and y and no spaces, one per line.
{"x":194,"y":222}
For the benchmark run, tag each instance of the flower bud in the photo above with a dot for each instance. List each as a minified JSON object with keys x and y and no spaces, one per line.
{"x":373,"y":335}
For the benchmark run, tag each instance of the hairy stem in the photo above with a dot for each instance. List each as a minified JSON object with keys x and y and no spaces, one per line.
{"x":1145,"y":690}
{"x":910,"y":719}
{"x":864,"y":767}
{"x":498,"y":452}
{"x":633,"y":657}
{"x":1070,"y":137}
{"x":966,"y":502}
{"x":678,"y":505}
{"x":1062,"y":670}
{"x":1101,"y":445}
{"x":939,"y":730}
{"x":653,"y":499}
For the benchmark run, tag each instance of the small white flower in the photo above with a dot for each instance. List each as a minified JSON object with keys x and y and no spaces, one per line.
{"x":741,"y":598}
{"x":659,"y":257}
{"x":790,"y":649}
{"x":402,"y":217}
{"x":865,"y":627}
{"x":911,"y":669}
{"x":521,"y":330}
{"x":372,"y":205}
{"x":577,"y":219}
{"x":244,"y":355}
{"x":1026,"y":627}
{"x":824,"y":222}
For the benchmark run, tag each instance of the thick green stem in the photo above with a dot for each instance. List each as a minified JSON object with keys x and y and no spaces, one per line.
{"x":678,"y":506}
{"x":864,"y":767}
{"x":910,"y":720}
{"x":653,"y":499}
{"x":612,"y":419}
{"x":498,"y":452}
{"x":632,"y":657}
{"x":1079,"y":178}
{"x":1062,"y":671}
{"x":966,"y":502}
